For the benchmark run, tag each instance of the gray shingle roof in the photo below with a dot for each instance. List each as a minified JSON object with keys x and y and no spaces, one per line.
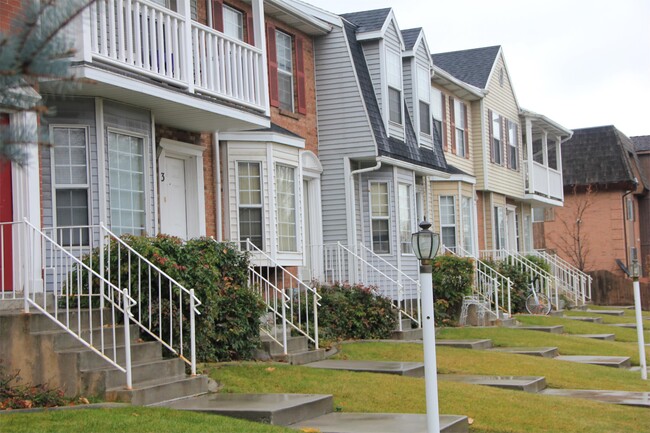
{"x":641,"y":143}
{"x":410,"y":36}
{"x":368,"y":21}
{"x":471,"y":66}
{"x":407,"y":150}
{"x":601,"y":155}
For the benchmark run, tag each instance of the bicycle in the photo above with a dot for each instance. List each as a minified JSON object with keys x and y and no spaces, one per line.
{"x":537,"y":303}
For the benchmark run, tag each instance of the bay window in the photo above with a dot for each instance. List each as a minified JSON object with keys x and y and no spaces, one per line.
{"x":448,"y":221}
{"x":285,"y":197}
{"x":249,"y":179}
{"x":380,"y":217}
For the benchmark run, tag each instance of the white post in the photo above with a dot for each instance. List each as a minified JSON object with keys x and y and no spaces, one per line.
{"x":192,"y":332}
{"x":126,"y":304}
{"x":429,"y":343}
{"x":187,"y":45}
{"x":639,"y":328}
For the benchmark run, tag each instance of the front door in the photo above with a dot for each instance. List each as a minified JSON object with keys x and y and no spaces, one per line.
{"x":173,"y":200}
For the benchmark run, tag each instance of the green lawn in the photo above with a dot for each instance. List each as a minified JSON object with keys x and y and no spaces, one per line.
{"x":126,"y":420}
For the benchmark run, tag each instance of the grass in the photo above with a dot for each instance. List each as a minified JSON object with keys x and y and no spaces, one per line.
{"x":129,"y":419}
{"x":566,"y":344}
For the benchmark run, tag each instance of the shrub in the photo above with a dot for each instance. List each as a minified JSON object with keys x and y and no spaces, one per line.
{"x":13,"y":395}
{"x":354,"y":312}
{"x":452,"y":280}
{"x":520,"y":282}
{"x":228,"y":326}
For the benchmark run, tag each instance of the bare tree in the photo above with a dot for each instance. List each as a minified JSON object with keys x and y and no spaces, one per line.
{"x":33,"y":49}
{"x":574,"y":239}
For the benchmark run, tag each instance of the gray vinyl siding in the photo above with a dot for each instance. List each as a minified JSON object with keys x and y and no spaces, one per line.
{"x":408,"y":74}
{"x":343,"y":128}
{"x":129,"y":119}
{"x":72,"y":112}
{"x":392,"y":41}
{"x":371,"y":51}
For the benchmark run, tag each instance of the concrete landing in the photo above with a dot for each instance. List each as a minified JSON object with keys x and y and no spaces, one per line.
{"x":517,"y":383}
{"x":381,"y":423}
{"x":279,"y":409}
{"x":605,"y":361}
{"x":466,"y":344}
{"x":624,"y":325}
{"x":622,"y":307}
{"x":641,"y":399}
{"x":607,"y":312}
{"x":556,"y":329}
{"x":412,"y":369}
{"x":608,"y":337}
{"x":545,"y":352}
{"x":585,"y":319}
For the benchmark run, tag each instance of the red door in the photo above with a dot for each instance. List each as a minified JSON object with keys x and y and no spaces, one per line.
{"x":6,"y":215}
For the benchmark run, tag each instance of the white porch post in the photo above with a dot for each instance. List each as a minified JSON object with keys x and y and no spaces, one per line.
{"x":529,"y":155}
{"x":185,"y":9}
{"x":27,"y":194}
{"x":558,"y":158}
{"x":260,"y":42}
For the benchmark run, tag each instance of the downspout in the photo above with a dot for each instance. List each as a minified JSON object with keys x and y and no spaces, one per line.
{"x":627,"y":252}
{"x":216,"y":167}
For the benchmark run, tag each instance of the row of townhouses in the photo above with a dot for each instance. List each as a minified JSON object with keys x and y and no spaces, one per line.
{"x":316,"y":141}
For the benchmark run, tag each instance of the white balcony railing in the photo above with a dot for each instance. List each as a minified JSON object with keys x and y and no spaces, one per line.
{"x":544,"y":181}
{"x":148,"y":39}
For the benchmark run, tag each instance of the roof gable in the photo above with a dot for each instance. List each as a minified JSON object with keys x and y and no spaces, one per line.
{"x":471,"y":66}
{"x":373,"y":24}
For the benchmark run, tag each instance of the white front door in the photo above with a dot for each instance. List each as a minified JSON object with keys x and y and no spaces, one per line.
{"x":173,"y":200}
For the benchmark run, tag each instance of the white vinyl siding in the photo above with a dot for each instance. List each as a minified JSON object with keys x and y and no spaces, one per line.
{"x":285,"y":198}
{"x":448,"y":221}
{"x":380,"y":217}
{"x":127,"y":183}
{"x":284,"y":47}
{"x":71,"y":183}
{"x":405,"y":218}
{"x":249,"y":185}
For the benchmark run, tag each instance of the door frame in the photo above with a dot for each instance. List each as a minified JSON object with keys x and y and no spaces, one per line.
{"x":311,"y":170}
{"x":194,"y":183}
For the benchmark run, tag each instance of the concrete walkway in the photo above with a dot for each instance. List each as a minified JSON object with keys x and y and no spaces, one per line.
{"x":381,"y":423}
{"x":411,"y":369}
{"x":641,"y":399}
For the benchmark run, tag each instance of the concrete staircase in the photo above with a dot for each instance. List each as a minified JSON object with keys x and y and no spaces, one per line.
{"x":299,"y":351}
{"x":45,"y":353}
{"x":407,"y":333}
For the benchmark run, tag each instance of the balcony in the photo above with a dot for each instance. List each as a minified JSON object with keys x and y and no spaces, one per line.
{"x":137,"y":51}
{"x":543,"y":183}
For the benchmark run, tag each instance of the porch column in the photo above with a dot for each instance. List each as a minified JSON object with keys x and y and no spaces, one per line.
{"x":529,"y":155}
{"x":260,"y":43}
{"x":27,"y":195}
{"x":185,"y":9}
{"x":545,"y":162}
{"x":558,"y":159}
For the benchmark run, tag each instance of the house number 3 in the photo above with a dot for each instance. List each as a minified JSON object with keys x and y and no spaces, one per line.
{"x":162,"y":176}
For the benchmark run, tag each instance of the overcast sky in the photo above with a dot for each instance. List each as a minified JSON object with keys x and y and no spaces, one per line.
{"x":581,"y":63}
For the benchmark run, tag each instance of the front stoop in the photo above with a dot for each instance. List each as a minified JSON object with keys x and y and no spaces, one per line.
{"x":407,"y":333}
{"x":298,"y":351}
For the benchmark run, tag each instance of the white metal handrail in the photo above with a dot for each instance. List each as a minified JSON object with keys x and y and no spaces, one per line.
{"x":288,"y":299}
{"x":342,"y":263}
{"x":74,"y":287}
{"x":575,"y":283}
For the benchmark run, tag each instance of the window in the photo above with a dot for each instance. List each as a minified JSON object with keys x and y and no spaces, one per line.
{"x":405,"y":220}
{"x":233,"y":23}
{"x":551,"y":147}
{"x":496,"y":139}
{"x":436,"y":111}
{"x":513,"y":145}
{"x":468,"y":224}
{"x":448,"y":221}
{"x":424,"y":96}
{"x":285,"y":197}
{"x":380,"y":217}
{"x":499,"y":228}
{"x":126,"y":175}
{"x":249,"y":180}
{"x":629,"y":209}
{"x":394,"y":73}
{"x":70,"y":182}
{"x":538,"y":151}
{"x":284,"y":50}
{"x":461,"y":115}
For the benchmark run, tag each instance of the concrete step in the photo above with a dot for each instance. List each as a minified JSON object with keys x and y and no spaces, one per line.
{"x":9,"y":303}
{"x":86,"y":359}
{"x":505,"y":323}
{"x":585,"y":319}
{"x":411,"y":369}
{"x":638,"y":399}
{"x":608,"y":337}
{"x":556,"y":329}
{"x":74,"y":319}
{"x":406,"y":325}
{"x":624,"y":325}
{"x":279,"y":409}
{"x":407,"y":334}
{"x":545,"y":352}
{"x":605,"y":361}
{"x":607,"y":312}
{"x":518,"y":383}
{"x":159,"y":390}
{"x":556,"y":313}
{"x":466,"y":344}
{"x":108,"y":378}
{"x":294,"y":344}
{"x":302,"y":358}
{"x":63,"y":340}
{"x":340,"y":422}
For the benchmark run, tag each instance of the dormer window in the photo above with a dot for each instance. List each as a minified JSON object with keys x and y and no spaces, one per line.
{"x":394,"y":73}
{"x":436,"y":112}
{"x":424,"y":100}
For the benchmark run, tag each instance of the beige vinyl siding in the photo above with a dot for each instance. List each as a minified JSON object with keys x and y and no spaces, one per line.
{"x":479,"y":146}
{"x":448,"y":188}
{"x":501,"y":100}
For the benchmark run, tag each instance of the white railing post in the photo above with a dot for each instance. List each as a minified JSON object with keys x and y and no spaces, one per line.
{"x":316,"y":321}
{"x":192,"y":333}
{"x":284,"y":321}
{"x":102,"y":286}
{"x":126,"y":305}
{"x":188,"y":47}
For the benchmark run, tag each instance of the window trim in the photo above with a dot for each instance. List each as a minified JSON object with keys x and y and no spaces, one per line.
{"x":409,"y":197}
{"x":443,"y":225}
{"x":424,"y":98}
{"x":283,"y":72}
{"x":382,"y":218}
{"x":259,"y":206}
{"x":497,"y":148}
{"x":460,"y":117}
{"x":512,"y":126}
{"x":467,"y":215}
{"x":394,"y":85}
{"x":87,"y":186}
{"x":497,"y":235}
{"x":242,"y":14}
